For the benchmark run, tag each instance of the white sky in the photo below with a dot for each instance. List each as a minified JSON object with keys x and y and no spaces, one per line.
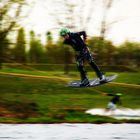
{"x":126,"y":12}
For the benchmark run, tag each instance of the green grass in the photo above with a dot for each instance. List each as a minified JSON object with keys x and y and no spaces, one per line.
{"x":48,"y":100}
{"x":131,"y":78}
{"x":123,"y":77}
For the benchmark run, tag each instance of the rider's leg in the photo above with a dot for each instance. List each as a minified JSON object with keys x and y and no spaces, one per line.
{"x":95,"y":67}
{"x":84,"y":79}
{"x":81,"y":70}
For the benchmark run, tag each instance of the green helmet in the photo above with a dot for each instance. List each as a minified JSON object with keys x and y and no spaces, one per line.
{"x":64,"y":31}
{"x":118,"y":94}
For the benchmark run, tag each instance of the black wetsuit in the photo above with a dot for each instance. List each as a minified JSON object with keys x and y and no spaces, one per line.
{"x":76,"y":40}
{"x":115,"y":99}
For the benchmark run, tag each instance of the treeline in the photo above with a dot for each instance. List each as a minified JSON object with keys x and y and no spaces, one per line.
{"x":32,"y":50}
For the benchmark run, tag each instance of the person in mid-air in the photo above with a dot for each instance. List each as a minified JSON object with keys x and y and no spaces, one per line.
{"x":77,"y":41}
{"x":112,"y":105}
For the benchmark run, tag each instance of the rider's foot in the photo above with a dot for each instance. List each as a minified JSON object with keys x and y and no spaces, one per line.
{"x":102,"y":79}
{"x":85,"y":83}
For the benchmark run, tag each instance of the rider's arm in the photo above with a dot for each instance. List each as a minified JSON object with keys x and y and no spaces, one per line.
{"x":82,"y":33}
{"x":110,"y":94}
{"x":107,"y":94}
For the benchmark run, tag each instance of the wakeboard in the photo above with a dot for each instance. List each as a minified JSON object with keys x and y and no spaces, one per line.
{"x":94,"y":82}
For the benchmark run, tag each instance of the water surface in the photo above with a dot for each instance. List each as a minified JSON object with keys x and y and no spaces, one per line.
{"x":69,"y":132}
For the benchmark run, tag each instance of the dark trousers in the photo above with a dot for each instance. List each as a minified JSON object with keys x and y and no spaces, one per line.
{"x":81,"y":57}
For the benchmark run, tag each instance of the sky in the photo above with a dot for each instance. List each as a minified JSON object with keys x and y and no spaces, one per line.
{"x":125,"y":12}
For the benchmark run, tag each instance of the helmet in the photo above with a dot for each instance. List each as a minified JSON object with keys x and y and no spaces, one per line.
{"x":64,"y":31}
{"x":118,"y":94}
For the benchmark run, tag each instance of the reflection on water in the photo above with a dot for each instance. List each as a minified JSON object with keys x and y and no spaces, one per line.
{"x":69,"y":132}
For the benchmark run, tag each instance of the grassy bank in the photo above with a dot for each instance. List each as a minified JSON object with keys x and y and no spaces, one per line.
{"x":47,"y":100}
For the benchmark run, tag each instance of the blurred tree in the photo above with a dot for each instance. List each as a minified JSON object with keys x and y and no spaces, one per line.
{"x":10,"y":11}
{"x":86,"y":13}
{"x":20,"y":47}
{"x":36,"y":52}
{"x":49,"y":39}
{"x":75,"y":15}
{"x":103,"y":50}
{"x":129,"y":54}
{"x":65,"y":18}
{"x":49,"y":47}
{"x":107,"y":4}
{"x":106,"y":23}
{"x":56,"y":53}
{"x":6,"y":51}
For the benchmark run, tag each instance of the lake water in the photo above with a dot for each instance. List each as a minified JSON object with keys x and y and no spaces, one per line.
{"x":69,"y":131}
